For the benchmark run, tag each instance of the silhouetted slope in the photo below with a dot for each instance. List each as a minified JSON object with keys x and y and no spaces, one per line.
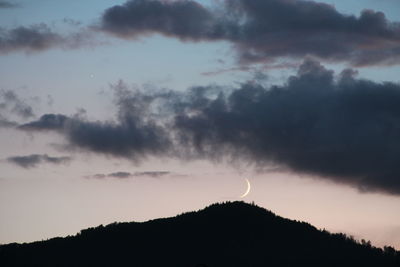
{"x":230,"y":234}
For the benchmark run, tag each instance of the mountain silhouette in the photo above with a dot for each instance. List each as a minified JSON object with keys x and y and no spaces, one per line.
{"x":226,"y":234}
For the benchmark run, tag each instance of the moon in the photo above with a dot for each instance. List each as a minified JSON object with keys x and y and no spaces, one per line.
{"x":247,"y":190}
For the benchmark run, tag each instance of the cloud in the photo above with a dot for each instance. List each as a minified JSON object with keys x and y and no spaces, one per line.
{"x":6,"y":123}
{"x":130,"y":137}
{"x":72,"y":22}
{"x":264,"y":30}
{"x":40,"y":37}
{"x":183,"y":19}
{"x":120,"y":175}
{"x":154,"y":174}
{"x":34,"y":38}
{"x":13,"y":107}
{"x":134,"y":134}
{"x":260,"y":31}
{"x":342,"y":128}
{"x":255,"y":70}
{"x":47,"y":122}
{"x":333,"y":126}
{"x":10,"y":100}
{"x":34,"y":160}
{"x":123,"y":174}
{"x":7,"y":4}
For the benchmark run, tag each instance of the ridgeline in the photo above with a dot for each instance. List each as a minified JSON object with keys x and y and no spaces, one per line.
{"x":221,"y":235}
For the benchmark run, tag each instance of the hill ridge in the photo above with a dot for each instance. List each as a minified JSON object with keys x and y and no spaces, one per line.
{"x":221,"y":234}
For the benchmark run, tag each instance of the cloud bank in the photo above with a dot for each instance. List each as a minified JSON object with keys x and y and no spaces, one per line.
{"x":332,"y":126}
{"x":264,"y":30}
{"x":34,"y":160}
{"x":260,"y":31}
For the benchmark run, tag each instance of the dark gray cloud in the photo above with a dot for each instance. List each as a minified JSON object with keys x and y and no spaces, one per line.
{"x":185,"y":19}
{"x":265,"y":30}
{"x":34,"y":38}
{"x":129,"y":137}
{"x":344,"y":129}
{"x":7,"y":4}
{"x":259,"y":30}
{"x":120,"y":175}
{"x":339,"y":127}
{"x":47,"y":122}
{"x":34,"y":160}
{"x":123,"y":175}
{"x":135,"y":134}
{"x":40,"y":37}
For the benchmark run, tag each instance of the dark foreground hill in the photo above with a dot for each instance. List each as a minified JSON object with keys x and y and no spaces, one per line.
{"x":230,"y":234}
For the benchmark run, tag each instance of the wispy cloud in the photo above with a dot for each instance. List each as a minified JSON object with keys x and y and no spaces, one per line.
{"x":9,"y":100}
{"x":30,"y":161}
{"x":13,"y":107}
{"x":6,"y":123}
{"x":124,"y":175}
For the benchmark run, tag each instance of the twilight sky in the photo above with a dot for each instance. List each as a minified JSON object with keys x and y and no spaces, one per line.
{"x":133,"y":110}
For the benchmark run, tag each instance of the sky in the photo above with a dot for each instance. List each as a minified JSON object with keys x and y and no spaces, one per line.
{"x":140,"y":109}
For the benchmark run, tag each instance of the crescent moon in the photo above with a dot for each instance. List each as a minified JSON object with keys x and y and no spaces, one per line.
{"x":247,"y":190}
